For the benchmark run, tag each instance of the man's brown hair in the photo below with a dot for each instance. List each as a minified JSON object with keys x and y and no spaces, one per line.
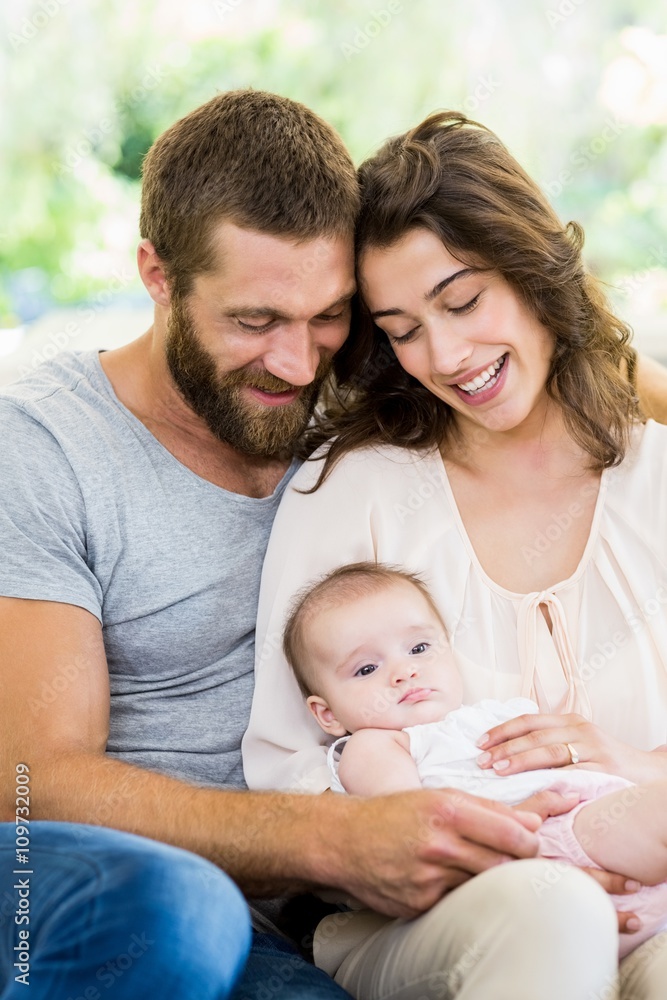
{"x":341,"y":586}
{"x":261,"y":161}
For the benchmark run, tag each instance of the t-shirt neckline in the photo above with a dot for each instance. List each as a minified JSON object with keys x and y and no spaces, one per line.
{"x":141,"y":428}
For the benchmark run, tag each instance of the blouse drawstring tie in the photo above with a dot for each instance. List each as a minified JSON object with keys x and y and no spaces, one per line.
{"x":530,"y":618}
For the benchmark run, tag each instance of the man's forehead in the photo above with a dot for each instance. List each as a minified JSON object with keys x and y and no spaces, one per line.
{"x":240,"y":251}
{"x":256,"y":270}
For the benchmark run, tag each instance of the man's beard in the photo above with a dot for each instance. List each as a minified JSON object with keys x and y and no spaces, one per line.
{"x":265,"y":431}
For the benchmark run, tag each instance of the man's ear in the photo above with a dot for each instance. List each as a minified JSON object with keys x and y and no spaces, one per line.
{"x":325,"y":716}
{"x":152,"y":272}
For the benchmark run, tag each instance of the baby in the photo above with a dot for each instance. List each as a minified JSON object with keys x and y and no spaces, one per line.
{"x":371,"y":656}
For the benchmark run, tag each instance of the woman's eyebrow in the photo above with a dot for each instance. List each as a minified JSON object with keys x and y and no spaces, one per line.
{"x":435,"y":291}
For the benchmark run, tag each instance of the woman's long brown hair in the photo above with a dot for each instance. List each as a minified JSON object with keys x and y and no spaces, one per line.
{"x":454,"y":177}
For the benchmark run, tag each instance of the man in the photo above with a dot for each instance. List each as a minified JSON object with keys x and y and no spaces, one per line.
{"x":138,"y":488}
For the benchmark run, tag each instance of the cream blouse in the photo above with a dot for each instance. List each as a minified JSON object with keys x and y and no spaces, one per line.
{"x":605,"y":658}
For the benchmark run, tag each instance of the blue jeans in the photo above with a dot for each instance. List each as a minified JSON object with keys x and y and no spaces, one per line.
{"x":276,"y":971}
{"x":119,"y":916}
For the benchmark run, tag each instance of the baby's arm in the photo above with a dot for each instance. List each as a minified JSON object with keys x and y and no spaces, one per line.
{"x":626,"y":832}
{"x":377,"y":762}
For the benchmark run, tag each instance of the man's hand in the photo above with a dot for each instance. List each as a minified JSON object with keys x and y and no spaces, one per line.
{"x":400,"y":854}
{"x":548,"y":803}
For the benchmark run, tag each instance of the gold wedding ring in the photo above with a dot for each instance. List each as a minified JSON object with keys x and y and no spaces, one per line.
{"x":574,"y":756}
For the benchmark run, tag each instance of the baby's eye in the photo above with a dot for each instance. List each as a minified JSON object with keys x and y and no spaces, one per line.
{"x":367,"y":669}
{"x":421,"y":647}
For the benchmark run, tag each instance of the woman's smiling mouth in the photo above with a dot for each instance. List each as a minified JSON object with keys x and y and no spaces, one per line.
{"x":486,"y":384}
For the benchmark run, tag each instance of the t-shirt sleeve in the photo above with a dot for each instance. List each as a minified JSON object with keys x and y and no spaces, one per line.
{"x":284,"y":748}
{"x":42,"y":518}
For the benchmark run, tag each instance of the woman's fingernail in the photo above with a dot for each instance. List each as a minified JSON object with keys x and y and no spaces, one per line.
{"x":633,"y":924}
{"x":632,"y":886}
{"x":483,"y":740}
{"x":500,"y":765}
{"x":484,"y":758}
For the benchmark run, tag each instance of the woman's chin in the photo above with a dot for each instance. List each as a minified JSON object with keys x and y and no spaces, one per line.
{"x":507,"y":416}
{"x":499,"y":419}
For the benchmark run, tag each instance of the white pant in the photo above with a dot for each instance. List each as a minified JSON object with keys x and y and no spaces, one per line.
{"x":520,"y":931}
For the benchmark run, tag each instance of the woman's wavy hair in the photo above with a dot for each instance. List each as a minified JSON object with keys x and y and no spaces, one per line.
{"x":454,"y":177}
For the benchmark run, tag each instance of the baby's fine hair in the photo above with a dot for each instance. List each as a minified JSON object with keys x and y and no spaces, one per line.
{"x":341,"y":586}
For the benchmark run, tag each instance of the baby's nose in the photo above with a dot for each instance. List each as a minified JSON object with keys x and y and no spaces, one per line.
{"x":403,"y":672}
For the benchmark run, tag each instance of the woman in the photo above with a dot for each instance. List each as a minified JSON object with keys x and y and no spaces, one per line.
{"x":492,"y":441}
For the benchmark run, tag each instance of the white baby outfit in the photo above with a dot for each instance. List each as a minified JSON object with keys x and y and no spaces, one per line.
{"x":605,"y":658}
{"x":445,"y":753}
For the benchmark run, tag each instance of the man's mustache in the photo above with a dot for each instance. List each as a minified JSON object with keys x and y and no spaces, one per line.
{"x":271,"y":383}
{"x":258,"y":380}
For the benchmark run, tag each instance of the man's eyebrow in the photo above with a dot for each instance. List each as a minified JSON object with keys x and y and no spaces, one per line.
{"x":256,"y":312}
{"x":345,"y":297}
{"x":434,"y":292}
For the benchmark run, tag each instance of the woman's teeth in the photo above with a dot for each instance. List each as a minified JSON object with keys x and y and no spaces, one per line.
{"x":484,"y":380}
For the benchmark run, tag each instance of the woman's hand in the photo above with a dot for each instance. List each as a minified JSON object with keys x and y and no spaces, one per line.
{"x":533,"y":741}
{"x":619,"y":885}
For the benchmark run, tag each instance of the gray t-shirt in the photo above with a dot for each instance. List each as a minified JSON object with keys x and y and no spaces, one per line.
{"x":95,"y":512}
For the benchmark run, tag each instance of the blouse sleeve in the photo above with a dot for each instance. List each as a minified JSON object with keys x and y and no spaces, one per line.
{"x":284,"y":748}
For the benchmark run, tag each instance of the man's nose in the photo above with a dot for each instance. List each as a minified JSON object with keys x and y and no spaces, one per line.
{"x":294,"y":357}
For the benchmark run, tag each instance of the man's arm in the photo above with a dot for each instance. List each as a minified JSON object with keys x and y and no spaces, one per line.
{"x":652,"y":388}
{"x":397,"y":854}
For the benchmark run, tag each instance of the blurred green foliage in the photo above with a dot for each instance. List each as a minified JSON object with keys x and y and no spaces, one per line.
{"x":88,"y":87}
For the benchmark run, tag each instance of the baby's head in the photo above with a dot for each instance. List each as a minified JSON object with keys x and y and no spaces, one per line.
{"x":369,"y":650}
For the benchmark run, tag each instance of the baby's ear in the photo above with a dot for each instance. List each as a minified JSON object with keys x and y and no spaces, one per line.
{"x":325,"y":716}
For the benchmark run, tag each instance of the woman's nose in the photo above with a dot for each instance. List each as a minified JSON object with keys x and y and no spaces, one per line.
{"x":448,"y":353}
